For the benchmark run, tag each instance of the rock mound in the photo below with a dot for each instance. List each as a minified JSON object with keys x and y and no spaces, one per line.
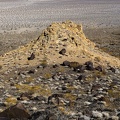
{"x":66,"y":35}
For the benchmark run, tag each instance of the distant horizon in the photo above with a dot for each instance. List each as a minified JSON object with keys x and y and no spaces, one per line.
{"x":17,"y":14}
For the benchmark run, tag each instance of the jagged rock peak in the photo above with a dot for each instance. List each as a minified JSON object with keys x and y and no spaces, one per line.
{"x":63,"y":33}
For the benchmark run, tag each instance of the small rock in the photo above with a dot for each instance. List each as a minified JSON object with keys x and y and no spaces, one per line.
{"x":34,"y":109}
{"x":39,"y":98}
{"x":84,"y":117}
{"x":79,"y":68}
{"x":81,"y":77}
{"x":25,"y":96}
{"x":112,"y":69}
{"x":89,"y":65}
{"x":31,"y":72}
{"x":51,"y":117}
{"x":87,"y":103}
{"x":99,"y":68}
{"x":55,"y":66}
{"x":115,"y":118}
{"x":106,"y":115}
{"x":54,"y":98}
{"x":62,"y":52}
{"x":39,"y":115}
{"x":117,"y":71}
{"x":97,"y":114}
{"x":31,"y":57}
{"x":66,"y":63}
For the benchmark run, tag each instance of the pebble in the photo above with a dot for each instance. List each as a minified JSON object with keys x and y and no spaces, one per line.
{"x":87,"y":103}
{"x":85,"y":117}
{"x":34,"y":109}
{"x":115,"y":118}
{"x":106,"y":115}
{"x":97,"y":114}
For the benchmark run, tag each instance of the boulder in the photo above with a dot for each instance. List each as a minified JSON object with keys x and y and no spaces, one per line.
{"x":17,"y":111}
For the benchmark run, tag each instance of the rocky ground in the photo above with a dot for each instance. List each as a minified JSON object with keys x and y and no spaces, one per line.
{"x":61,"y":75}
{"x":62,"y":92}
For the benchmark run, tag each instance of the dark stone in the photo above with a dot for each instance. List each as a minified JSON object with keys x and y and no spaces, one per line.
{"x":31,"y":72}
{"x":55,"y":97}
{"x":62,"y":52}
{"x":51,"y":117}
{"x":118,"y":115}
{"x":31,"y":57}
{"x":39,"y":98}
{"x":81,"y":77}
{"x":112,"y":69}
{"x":89,"y":65}
{"x":99,"y":68}
{"x":12,"y":84}
{"x":64,"y":88}
{"x":27,"y":95}
{"x":16,"y":111}
{"x":40,"y":115}
{"x":66,"y":63}
{"x":55,"y":66}
{"x":101,"y":99}
{"x":79,"y":68}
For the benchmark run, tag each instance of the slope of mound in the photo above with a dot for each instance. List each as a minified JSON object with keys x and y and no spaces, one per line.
{"x":66,"y":36}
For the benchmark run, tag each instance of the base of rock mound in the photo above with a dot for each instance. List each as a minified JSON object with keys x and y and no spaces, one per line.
{"x":46,"y":49}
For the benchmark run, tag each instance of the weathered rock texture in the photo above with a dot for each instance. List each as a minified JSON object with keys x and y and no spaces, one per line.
{"x":66,"y":35}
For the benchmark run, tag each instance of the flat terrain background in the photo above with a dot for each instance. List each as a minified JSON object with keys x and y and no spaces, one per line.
{"x":23,"y":20}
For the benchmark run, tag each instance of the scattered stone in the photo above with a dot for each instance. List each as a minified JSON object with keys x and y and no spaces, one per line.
{"x":25,"y":96}
{"x":84,"y":117}
{"x":63,"y":51}
{"x":39,"y":115}
{"x":31,"y":71}
{"x":106,"y":115}
{"x":81,"y":77}
{"x":51,"y":117}
{"x":31,"y":57}
{"x":39,"y":98}
{"x":89,"y":65}
{"x":34,"y":109}
{"x":115,"y":118}
{"x":99,"y":68}
{"x":112,"y":69}
{"x":66,"y":63}
{"x":97,"y":114}
{"x":79,"y":68}
{"x":55,"y":66}
{"x":54,"y":99}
